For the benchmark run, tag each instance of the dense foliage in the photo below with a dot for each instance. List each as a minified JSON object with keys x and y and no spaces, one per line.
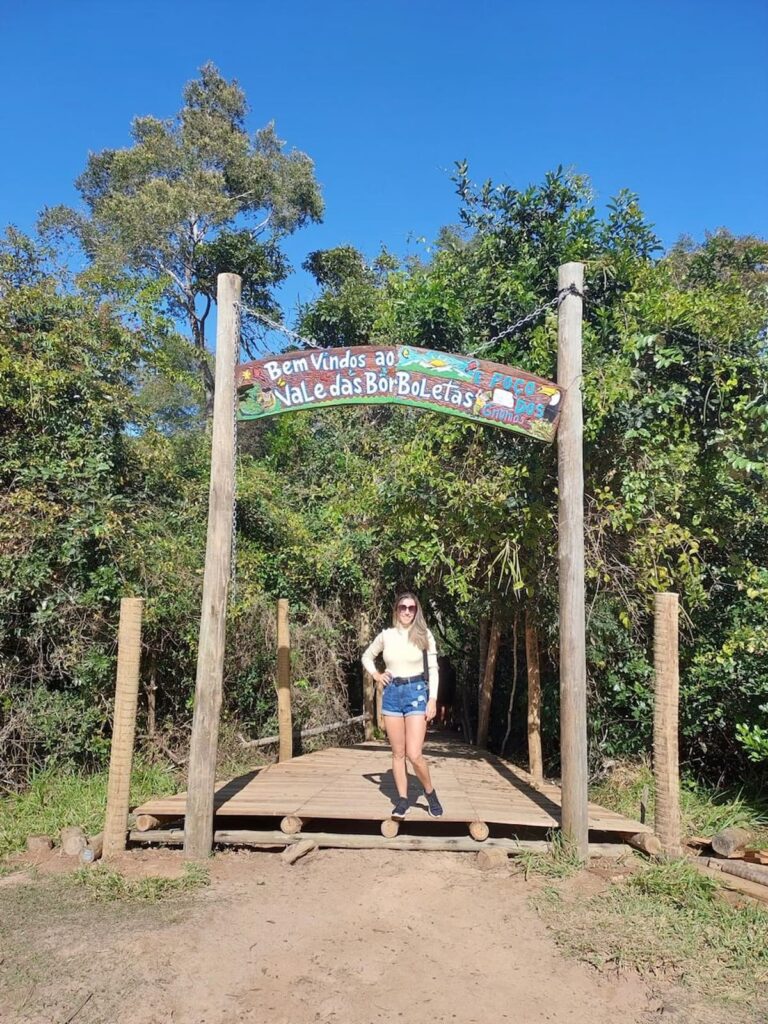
{"x":104,"y":469}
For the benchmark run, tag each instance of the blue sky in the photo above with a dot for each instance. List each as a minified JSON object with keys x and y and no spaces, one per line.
{"x":668,"y":99}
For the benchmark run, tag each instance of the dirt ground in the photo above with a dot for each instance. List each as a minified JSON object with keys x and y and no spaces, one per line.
{"x":345,"y":937}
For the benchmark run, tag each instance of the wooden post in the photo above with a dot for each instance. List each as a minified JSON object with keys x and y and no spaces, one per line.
{"x":570,"y":473}
{"x":124,"y":725}
{"x":486,"y":692}
{"x":369,"y":689}
{"x":666,"y":768}
{"x":198,"y":824}
{"x":535,"y":763}
{"x":284,"y":718}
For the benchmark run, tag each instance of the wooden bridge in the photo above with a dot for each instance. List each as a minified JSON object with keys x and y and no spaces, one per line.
{"x":348,"y":794}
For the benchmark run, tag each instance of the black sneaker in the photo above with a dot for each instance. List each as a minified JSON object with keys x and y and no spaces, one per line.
{"x":435,"y":807}
{"x":400,"y":809}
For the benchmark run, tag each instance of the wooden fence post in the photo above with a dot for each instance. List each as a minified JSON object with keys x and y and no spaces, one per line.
{"x":666,"y":766}
{"x":198,"y":822}
{"x":124,"y":725}
{"x":284,"y":718}
{"x":369,"y":689}
{"x":570,"y":474}
{"x":535,"y":763}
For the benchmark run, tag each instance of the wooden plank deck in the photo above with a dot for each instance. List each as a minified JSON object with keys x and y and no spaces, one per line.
{"x":355,"y":783}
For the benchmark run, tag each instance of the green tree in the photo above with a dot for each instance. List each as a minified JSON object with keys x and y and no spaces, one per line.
{"x":193,"y":196}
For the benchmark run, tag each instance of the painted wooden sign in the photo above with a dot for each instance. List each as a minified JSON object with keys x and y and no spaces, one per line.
{"x":455,"y":384}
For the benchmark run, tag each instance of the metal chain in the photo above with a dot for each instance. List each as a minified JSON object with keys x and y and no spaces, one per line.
{"x":570,"y":290}
{"x":278,"y":327}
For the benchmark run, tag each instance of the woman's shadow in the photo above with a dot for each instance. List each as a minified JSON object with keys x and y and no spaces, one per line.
{"x":386,"y":783}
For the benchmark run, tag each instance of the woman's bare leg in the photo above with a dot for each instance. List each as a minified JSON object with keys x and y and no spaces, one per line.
{"x":415,"y":731}
{"x":395,"y":726}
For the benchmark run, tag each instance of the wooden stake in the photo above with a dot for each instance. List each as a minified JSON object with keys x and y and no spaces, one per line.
{"x":213,"y":619}
{"x":486,"y":692}
{"x":535,"y":762}
{"x":570,"y":472}
{"x":284,"y":717}
{"x":124,"y":725}
{"x":369,"y":689}
{"x":666,"y":767}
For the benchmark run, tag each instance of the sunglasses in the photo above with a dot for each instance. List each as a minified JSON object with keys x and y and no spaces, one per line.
{"x":406,"y":607}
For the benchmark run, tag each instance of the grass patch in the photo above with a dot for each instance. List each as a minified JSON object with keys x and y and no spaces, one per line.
{"x":670,"y":920}
{"x":704,"y":810}
{"x":58,"y":798}
{"x":103,"y":885}
{"x":560,"y":862}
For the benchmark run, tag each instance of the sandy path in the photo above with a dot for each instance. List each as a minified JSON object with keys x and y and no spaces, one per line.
{"x":355,"y":937}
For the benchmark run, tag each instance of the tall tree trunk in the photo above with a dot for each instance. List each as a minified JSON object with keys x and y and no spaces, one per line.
{"x":535,"y":765}
{"x":198,"y":335}
{"x":151,"y":688}
{"x":514,"y":684}
{"x":482,"y":655}
{"x":486,"y":693}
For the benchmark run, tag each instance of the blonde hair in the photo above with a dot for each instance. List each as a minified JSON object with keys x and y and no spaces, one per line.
{"x":418,"y":632}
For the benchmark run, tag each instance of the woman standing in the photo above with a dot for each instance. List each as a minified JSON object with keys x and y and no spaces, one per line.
{"x":409,"y":680}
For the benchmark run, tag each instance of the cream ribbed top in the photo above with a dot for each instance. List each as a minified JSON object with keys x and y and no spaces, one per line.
{"x":401,"y":657}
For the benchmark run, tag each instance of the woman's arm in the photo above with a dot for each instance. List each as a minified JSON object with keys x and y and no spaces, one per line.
{"x":434,"y":671}
{"x":371,"y":653}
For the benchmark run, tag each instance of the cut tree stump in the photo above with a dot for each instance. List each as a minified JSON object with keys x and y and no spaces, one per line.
{"x":39,"y":844}
{"x":731,"y":842}
{"x":73,"y":841}
{"x":487,"y":860}
{"x":298,"y":850}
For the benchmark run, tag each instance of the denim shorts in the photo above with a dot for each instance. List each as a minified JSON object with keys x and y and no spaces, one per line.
{"x":405,"y":700}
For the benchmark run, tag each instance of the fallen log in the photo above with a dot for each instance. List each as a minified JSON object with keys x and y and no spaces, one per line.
{"x":479,"y":830}
{"x":731,"y":842}
{"x":291,"y":825}
{"x":298,"y":850}
{"x":318,"y":730}
{"x":144,"y":822}
{"x":756,"y":891}
{"x":645,"y":842}
{"x":389,"y":828}
{"x":268,"y":839}
{"x":752,"y":872}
